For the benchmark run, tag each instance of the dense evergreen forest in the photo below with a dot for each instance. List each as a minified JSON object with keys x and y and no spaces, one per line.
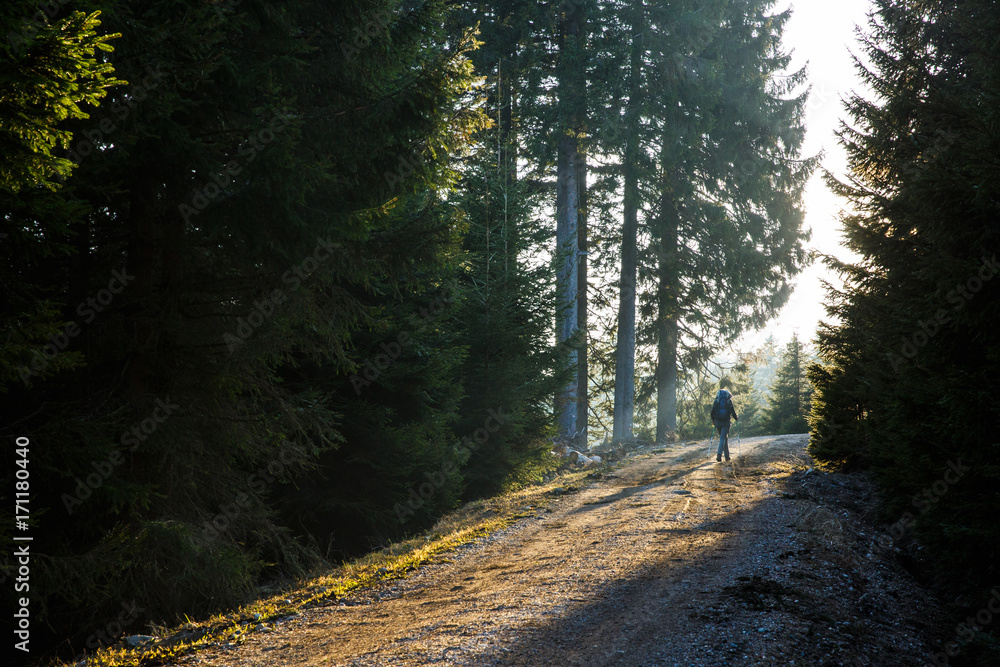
{"x":284,"y":281}
{"x":908,"y":381}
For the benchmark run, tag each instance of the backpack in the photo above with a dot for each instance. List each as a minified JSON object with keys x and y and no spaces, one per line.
{"x":720,"y":408}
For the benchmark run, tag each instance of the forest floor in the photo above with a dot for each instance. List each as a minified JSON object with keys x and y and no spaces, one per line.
{"x":670,"y":559}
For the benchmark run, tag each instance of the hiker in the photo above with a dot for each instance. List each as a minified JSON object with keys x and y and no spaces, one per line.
{"x":722,"y":411}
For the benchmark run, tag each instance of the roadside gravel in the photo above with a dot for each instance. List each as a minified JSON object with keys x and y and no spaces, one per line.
{"x":673,"y":559}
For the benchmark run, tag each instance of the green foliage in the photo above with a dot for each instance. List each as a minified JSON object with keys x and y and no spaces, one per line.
{"x":720,"y":175}
{"x":159,"y":570}
{"x":396,"y":467}
{"x":908,"y":377}
{"x":748,"y":397}
{"x":505,"y":321}
{"x":50,"y":70}
{"x":729,"y":209}
{"x":790,"y":401}
{"x":507,"y":295}
{"x":697,"y":392}
{"x":274,"y":205}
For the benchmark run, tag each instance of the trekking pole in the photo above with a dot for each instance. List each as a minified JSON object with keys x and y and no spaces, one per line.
{"x":710,"y":439}
{"x":739,"y":437}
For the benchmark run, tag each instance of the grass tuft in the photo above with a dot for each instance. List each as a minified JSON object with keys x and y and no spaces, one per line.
{"x":471,"y":522}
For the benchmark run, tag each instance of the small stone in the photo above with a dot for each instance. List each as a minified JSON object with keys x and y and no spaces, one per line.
{"x":137,"y":640}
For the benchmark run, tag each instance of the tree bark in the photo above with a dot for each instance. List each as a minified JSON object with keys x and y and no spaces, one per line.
{"x":507,"y":157}
{"x":567,"y":276}
{"x":667,"y":325}
{"x":571,"y":98}
{"x":625,"y":344}
{"x":583,"y":366}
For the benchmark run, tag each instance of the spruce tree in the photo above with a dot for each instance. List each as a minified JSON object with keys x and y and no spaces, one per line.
{"x":53,"y":71}
{"x":570,"y":73}
{"x":505,"y":319}
{"x":526,"y":47}
{"x":271,"y":186}
{"x":907,"y":381}
{"x":507,"y":300}
{"x":728,"y":226}
{"x":708,"y":167}
{"x":631,"y":157}
{"x":790,"y":401}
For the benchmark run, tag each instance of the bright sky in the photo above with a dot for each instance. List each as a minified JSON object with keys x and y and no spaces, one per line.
{"x":820,"y":33}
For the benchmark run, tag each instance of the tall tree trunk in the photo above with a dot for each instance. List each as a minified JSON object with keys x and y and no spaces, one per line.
{"x":625,"y":344}
{"x":667,"y":328}
{"x":571,"y":98}
{"x":583,"y":367}
{"x":507,"y":157}
{"x":567,"y":276}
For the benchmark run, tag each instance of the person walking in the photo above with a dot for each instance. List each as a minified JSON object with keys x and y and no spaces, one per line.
{"x":722,"y":412}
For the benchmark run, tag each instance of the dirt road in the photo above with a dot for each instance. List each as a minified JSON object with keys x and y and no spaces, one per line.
{"x":673,"y":559}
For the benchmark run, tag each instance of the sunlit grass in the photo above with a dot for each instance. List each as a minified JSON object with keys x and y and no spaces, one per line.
{"x":469,"y":523}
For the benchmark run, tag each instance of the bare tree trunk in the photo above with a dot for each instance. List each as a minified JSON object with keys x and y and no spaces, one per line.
{"x":567,"y":276}
{"x":583,"y":367}
{"x":507,"y":158}
{"x":571,"y":100}
{"x":667,"y":329}
{"x":625,"y":343}
{"x":666,"y":381}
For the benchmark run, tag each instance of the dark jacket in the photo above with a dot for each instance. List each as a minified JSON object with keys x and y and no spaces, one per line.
{"x":724,"y":399}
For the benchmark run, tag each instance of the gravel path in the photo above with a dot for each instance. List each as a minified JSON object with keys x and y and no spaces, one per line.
{"x":673,"y":559}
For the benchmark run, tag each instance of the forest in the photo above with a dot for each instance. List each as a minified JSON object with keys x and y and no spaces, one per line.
{"x":286,"y":281}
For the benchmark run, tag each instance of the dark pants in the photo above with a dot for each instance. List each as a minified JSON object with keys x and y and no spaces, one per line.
{"x":723,"y":426}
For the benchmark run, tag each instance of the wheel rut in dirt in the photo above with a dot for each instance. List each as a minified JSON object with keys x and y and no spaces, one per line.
{"x":673,"y":559}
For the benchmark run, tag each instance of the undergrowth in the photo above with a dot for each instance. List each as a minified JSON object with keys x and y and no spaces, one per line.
{"x":472,"y":521}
